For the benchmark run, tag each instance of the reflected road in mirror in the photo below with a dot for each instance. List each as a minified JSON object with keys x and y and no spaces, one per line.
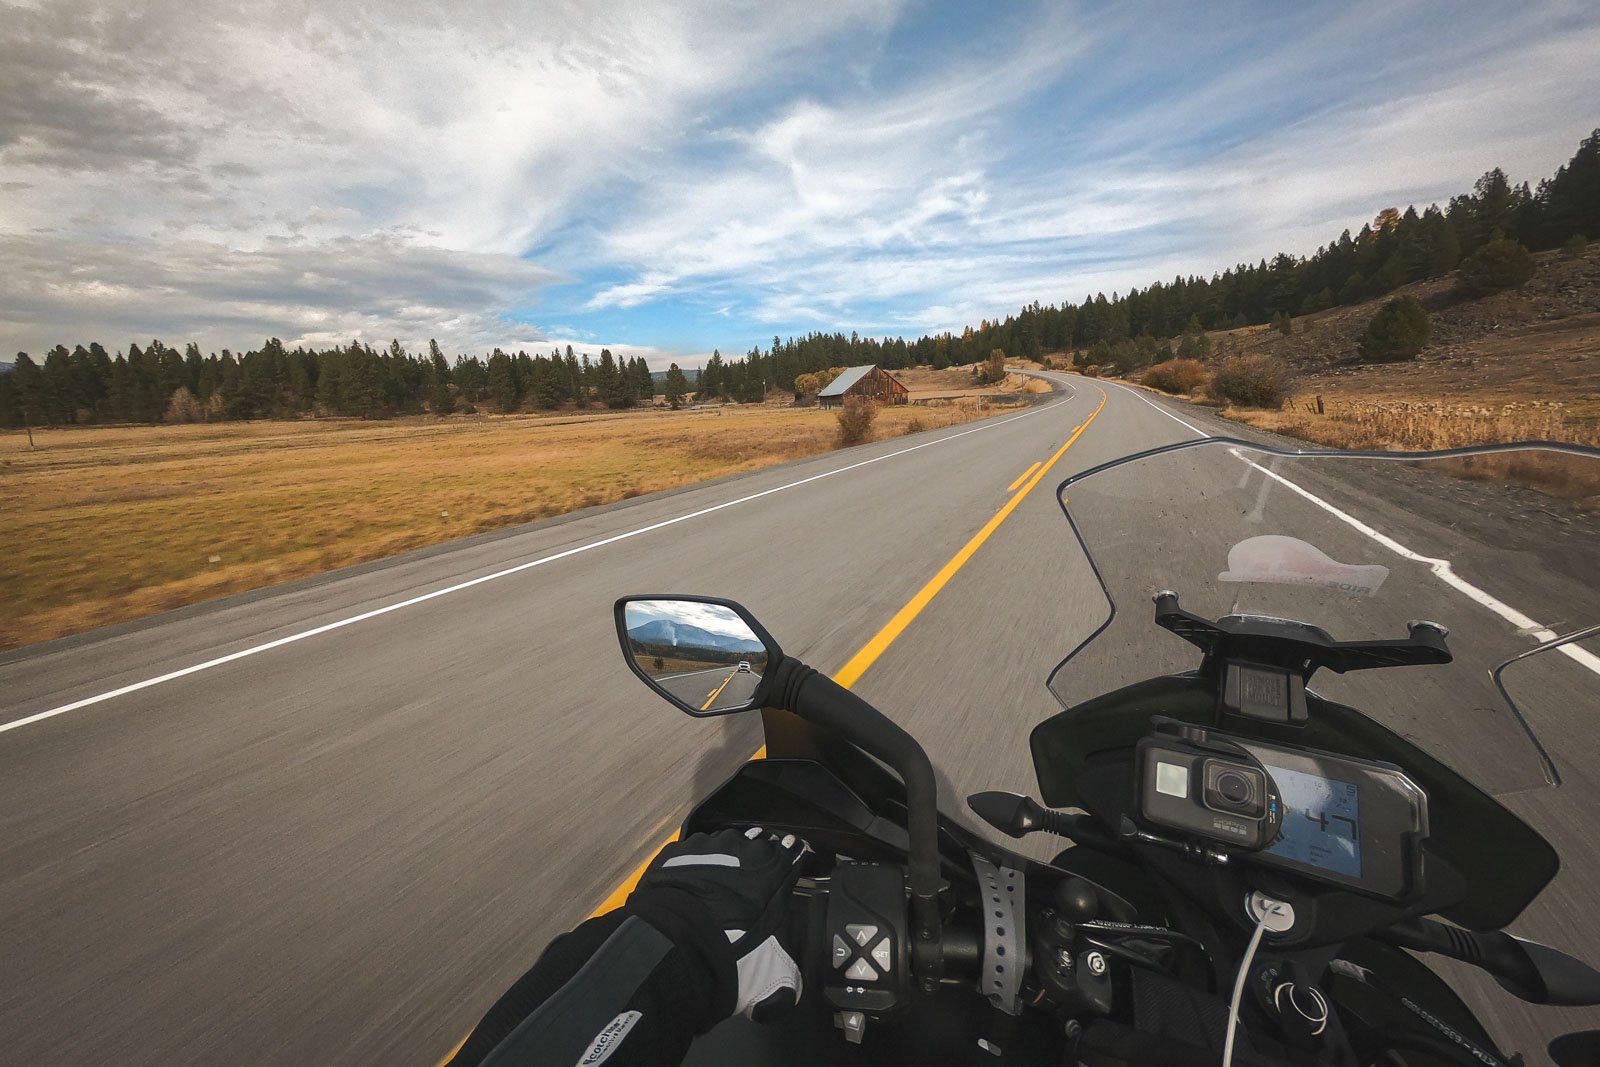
{"x":701,"y":655}
{"x":712,"y":690}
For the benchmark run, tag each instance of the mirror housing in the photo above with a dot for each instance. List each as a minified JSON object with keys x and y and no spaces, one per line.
{"x":1550,"y":976}
{"x":1011,"y":813}
{"x":704,"y":655}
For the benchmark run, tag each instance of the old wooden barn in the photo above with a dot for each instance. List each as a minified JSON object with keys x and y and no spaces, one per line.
{"x":869,"y":381}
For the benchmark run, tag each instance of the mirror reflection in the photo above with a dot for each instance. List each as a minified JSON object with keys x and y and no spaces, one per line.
{"x":703,"y":656}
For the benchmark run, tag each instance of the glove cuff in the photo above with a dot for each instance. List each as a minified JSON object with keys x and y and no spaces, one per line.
{"x":709,"y":960}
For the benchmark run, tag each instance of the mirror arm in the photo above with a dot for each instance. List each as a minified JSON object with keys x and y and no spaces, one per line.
{"x":1528,"y":970}
{"x":819,"y":699}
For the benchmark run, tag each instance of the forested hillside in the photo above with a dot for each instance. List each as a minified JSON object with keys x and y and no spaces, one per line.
{"x":87,"y":384}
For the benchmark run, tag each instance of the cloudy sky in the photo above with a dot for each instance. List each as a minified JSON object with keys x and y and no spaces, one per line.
{"x":668,"y":179}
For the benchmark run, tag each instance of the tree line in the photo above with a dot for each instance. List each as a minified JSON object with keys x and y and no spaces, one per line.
{"x":159,"y":383}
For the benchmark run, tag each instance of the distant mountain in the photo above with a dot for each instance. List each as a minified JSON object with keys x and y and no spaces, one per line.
{"x":667,"y":632}
{"x":7,"y":368}
{"x":660,"y":376}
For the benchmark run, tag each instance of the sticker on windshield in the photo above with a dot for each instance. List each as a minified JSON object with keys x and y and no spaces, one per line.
{"x":1291,"y":561}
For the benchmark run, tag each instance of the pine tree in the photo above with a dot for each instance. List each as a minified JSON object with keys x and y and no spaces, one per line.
{"x":614,"y":392}
{"x":28,"y":381}
{"x":500,"y":382}
{"x":676,"y":386}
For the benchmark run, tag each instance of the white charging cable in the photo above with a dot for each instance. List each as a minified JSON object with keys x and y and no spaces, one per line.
{"x":1269,"y":913}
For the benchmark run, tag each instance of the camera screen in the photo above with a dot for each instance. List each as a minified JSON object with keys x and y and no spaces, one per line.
{"x":1321,"y":822}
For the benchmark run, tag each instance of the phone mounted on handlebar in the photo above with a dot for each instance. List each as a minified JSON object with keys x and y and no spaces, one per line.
{"x":1355,"y":823}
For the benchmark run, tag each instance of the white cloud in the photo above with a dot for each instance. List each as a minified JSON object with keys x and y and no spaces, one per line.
{"x":325,"y":292}
{"x":378,"y":169}
{"x":927,"y":207}
{"x":134,"y":127}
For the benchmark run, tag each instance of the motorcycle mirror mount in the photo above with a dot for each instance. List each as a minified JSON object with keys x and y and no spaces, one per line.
{"x":707,"y":656}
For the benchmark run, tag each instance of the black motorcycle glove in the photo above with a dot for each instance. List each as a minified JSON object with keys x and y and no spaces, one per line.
{"x":695,"y":943}
{"x":743,"y":879}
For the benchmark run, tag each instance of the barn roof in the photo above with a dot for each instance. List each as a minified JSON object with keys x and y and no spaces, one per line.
{"x":840,"y":385}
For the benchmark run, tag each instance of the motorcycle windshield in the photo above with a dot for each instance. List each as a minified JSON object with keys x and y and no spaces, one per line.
{"x":1500,"y":546}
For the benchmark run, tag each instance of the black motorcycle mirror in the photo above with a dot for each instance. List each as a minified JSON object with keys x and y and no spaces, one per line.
{"x":711,"y":657}
{"x":707,"y":657}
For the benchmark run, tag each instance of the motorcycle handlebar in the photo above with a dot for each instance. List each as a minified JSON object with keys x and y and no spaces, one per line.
{"x":819,"y":699}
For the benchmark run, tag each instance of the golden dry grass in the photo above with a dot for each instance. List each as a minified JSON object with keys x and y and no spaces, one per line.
{"x":1411,"y":424}
{"x":1420,"y":423}
{"x":108,"y":524}
{"x":925,"y":383}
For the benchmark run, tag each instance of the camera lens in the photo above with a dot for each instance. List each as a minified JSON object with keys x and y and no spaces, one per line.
{"x":1233,"y":787}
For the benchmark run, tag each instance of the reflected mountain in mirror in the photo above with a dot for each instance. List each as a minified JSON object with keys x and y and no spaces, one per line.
{"x":703,"y":657}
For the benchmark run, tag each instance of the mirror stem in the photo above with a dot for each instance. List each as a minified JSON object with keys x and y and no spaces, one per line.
{"x":819,"y":699}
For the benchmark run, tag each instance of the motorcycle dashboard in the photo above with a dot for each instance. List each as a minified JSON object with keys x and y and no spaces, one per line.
{"x":1352,"y":823}
{"x":1337,"y":820}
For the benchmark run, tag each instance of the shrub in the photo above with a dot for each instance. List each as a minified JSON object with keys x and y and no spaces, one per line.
{"x":855,"y":420}
{"x":1575,"y":246}
{"x":991,"y":370}
{"x":183,"y":407}
{"x":1179,"y":376}
{"x":1321,"y":300}
{"x":915,"y":425}
{"x":1195,"y":344}
{"x":1253,"y":381}
{"x":1501,"y":264}
{"x":1397,"y":331}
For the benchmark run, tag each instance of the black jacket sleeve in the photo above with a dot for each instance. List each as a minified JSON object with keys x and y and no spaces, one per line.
{"x":630,"y":988}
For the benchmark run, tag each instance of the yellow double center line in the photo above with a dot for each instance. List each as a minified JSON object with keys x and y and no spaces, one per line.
{"x":852,"y":671}
{"x":1012,"y":488}
{"x":874,"y":648}
{"x":712,"y":699}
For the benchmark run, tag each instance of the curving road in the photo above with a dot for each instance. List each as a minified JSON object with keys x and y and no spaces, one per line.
{"x":329,"y":822}
{"x":713,"y":690}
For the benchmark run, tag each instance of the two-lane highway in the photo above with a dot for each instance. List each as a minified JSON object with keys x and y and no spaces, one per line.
{"x":348,"y":812}
{"x":712,"y":690}
{"x":330,"y":822}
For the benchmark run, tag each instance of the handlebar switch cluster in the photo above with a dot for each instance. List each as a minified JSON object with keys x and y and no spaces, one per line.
{"x":868,"y":966}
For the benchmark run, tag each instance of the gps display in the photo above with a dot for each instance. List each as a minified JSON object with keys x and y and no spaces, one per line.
{"x":1321,"y":822}
{"x":1352,"y":822}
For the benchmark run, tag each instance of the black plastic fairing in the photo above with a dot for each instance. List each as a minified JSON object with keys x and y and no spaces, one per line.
{"x":1505,"y":863}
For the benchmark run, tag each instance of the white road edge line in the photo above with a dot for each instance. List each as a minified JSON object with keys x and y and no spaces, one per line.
{"x":1442,"y":568}
{"x":268,"y":646}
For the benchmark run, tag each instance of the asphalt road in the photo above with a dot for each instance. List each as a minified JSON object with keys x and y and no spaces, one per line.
{"x":715,"y":690}
{"x":340,"y":847}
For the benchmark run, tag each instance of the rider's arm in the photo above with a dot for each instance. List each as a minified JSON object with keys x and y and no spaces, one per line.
{"x":695,"y":943}
{"x":641,"y":981}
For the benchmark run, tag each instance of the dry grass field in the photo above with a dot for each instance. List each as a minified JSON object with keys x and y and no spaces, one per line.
{"x":107,"y":524}
{"x":925,"y":383}
{"x":1366,"y":422}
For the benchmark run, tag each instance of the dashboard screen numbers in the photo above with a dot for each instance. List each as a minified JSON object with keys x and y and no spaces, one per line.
{"x":1321,"y":822}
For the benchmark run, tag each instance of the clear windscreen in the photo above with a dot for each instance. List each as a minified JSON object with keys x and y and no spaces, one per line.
{"x":1498,"y":548}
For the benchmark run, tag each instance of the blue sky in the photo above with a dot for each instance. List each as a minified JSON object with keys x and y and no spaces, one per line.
{"x":668,"y":180}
